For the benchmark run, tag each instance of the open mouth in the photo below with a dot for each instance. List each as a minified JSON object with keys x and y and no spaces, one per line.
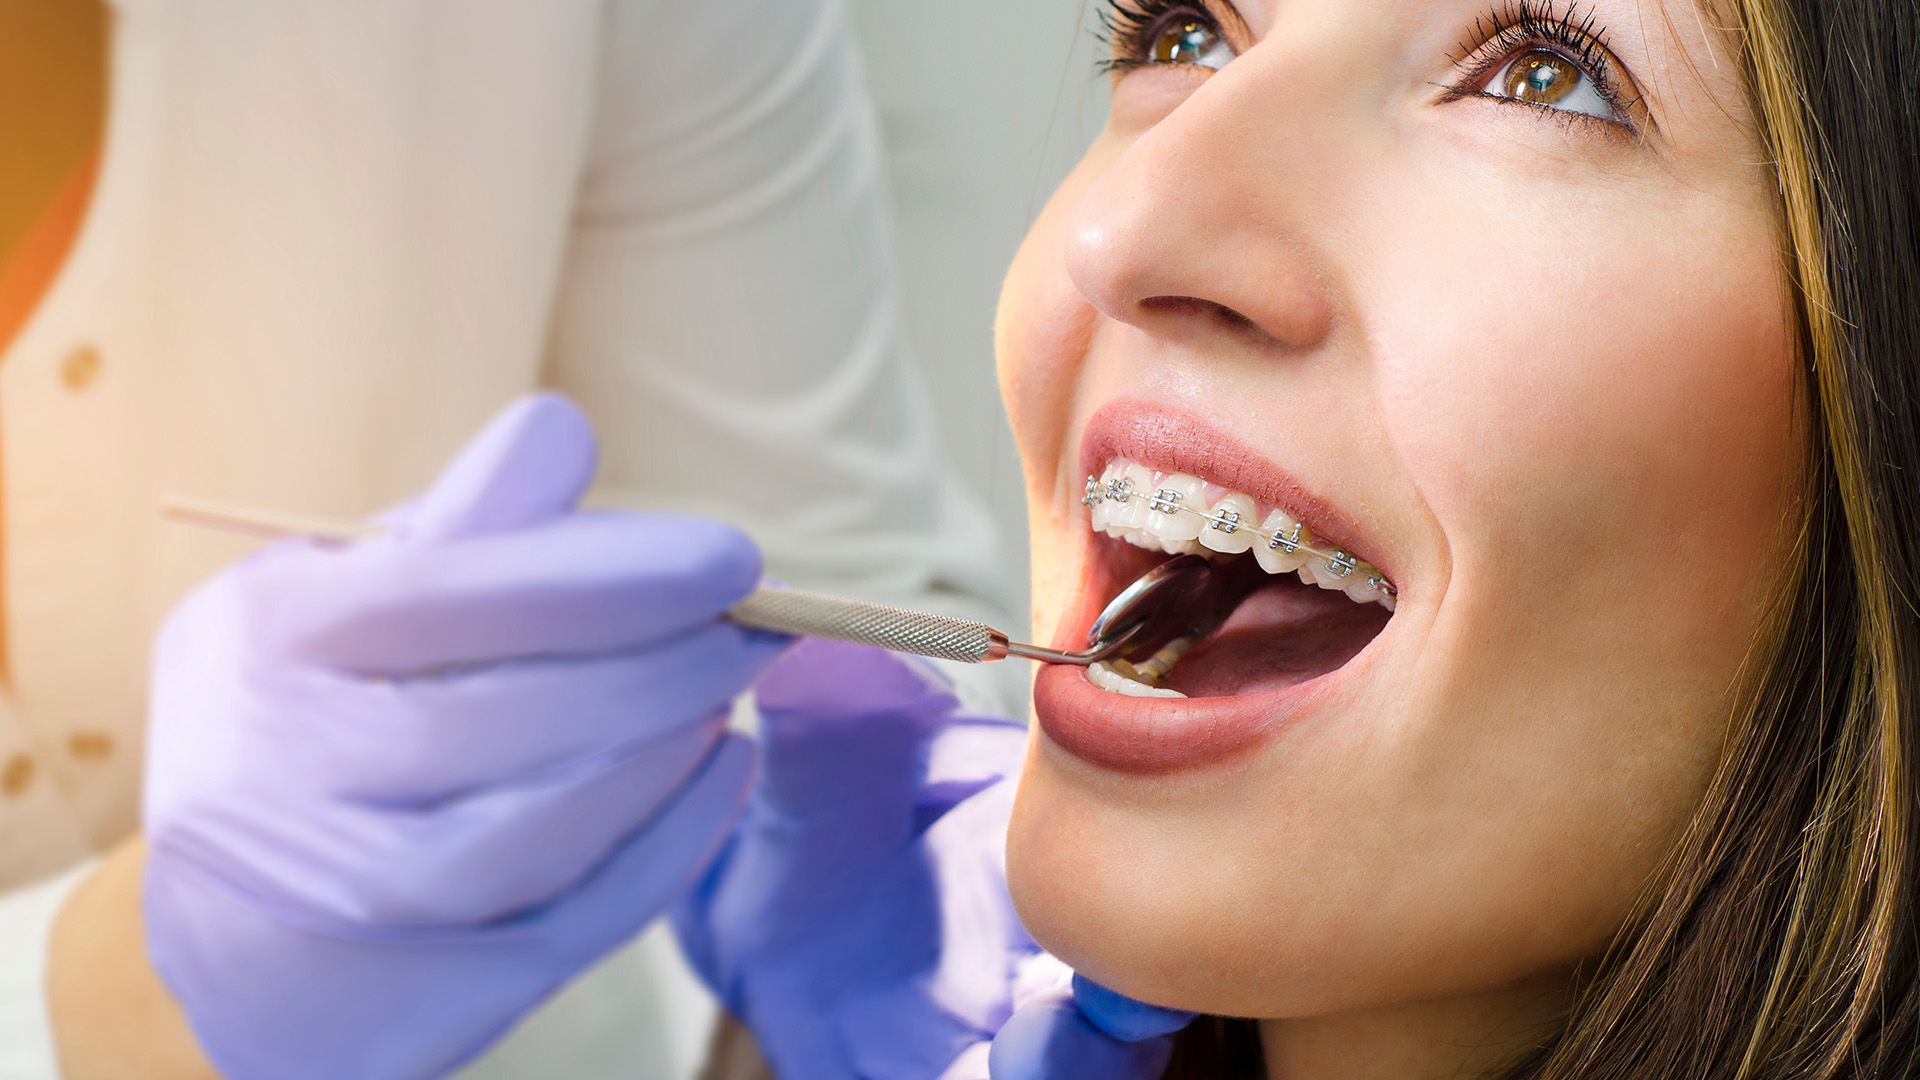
{"x":1285,"y":605}
{"x":1286,"y":634}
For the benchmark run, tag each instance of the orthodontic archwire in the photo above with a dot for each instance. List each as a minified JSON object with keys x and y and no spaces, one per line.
{"x":1168,"y":501}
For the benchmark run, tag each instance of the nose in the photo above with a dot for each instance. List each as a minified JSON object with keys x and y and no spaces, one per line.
{"x":1200,"y":227}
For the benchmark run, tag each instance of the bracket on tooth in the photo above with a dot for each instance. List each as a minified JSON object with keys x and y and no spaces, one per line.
{"x":1340,"y":563}
{"x":1288,"y":542}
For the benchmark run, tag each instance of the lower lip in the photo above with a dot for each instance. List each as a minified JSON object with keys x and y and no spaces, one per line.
{"x":1156,"y":735}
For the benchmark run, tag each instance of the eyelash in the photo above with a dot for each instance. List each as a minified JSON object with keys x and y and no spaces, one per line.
{"x":1128,"y":27}
{"x":1505,"y":32}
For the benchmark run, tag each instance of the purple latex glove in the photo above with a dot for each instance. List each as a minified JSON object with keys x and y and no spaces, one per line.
{"x":859,"y":921}
{"x":1088,"y":1033}
{"x":399,"y":792}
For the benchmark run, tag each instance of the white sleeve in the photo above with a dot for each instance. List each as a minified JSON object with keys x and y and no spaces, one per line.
{"x":727,"y":313}
{"x":26,"y":926}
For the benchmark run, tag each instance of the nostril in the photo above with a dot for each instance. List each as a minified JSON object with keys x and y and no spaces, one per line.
{"x":1192,"y":307}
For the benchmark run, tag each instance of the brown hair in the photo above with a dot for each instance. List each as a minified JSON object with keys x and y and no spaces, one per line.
{"x":1779,"y":940}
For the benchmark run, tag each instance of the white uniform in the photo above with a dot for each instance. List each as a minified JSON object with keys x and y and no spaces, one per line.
{"x":329,"y":239}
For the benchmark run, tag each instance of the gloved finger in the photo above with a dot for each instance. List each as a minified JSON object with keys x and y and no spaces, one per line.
{"x":478,"y":858}
{"x":608,"y":907}
{"x":845,"y":730}
{"x":1049,"y":1039}
{"x":962,"y":989}
{"x":427,"y":739}
{"x":1121,"y":1016}
{"x":836,"y":682}
{"x":586,"y":583}
{"x":656,"y":865}
{"x":971,"y":755}
{"x":530,"y":464}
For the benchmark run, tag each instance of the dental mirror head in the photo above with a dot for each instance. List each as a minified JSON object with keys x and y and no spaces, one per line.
{"x":1162,"y":604}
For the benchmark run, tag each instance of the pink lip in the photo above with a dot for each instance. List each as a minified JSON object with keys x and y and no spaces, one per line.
{"x":1152,"y":735}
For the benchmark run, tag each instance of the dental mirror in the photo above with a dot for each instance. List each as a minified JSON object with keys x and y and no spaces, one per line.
{"x":1162,"y":604}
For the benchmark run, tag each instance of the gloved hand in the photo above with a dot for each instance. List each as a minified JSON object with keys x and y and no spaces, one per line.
{"x":859,"y":922}
{"x":1088,"y":1033}
{"x":399,"y":792}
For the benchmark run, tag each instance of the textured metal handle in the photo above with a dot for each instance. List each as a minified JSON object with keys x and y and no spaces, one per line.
{"x":791,"y":611}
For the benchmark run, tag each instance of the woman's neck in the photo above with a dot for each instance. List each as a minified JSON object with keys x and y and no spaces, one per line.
{"x":1456,"y":1038}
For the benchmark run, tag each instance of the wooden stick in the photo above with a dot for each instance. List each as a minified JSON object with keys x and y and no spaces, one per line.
{"x":263,"y":524}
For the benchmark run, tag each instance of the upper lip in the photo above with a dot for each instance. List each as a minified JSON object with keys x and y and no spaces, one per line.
{"x":1173,"y":441}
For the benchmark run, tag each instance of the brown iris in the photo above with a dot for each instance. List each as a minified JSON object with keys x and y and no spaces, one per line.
{"x":1541,"y":77}
{"x":1183,"y":41}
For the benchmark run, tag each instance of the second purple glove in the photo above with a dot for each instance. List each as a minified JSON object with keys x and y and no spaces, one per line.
{"x":859,"y":922}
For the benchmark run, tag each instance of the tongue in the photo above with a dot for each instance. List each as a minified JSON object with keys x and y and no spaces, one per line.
{"x":1283,"y":632}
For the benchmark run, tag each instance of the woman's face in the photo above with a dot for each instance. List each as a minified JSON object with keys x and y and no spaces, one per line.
{"x":1491,"y":301}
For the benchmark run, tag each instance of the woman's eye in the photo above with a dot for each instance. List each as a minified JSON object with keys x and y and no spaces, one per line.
{"x":1544,"y":77}
{"x":1187,"y":40}
{"x":1157,"y":33}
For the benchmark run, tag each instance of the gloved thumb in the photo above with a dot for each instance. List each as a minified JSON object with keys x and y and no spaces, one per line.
{"x":530,"y":464}
{"x":1122,"y":1017}
{"x":1051,"y":1039}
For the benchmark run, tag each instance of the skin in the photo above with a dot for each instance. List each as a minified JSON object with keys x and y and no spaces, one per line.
{"x":112,"y":1017}
{"x":1546,"y":367}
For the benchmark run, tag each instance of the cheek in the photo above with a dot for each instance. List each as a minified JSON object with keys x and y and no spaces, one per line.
{"x":1040,"y":340}
{"x":1627,"y":410}
{"x":1043,"y":328}
{"x":1042,"y":332}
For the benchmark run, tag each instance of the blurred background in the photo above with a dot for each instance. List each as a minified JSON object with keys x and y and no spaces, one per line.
{"x":984,"y":107}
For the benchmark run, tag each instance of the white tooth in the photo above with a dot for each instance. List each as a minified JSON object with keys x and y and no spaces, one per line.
{"x":1326,"y":578}
{"x":1103,"y":507}
{"x":1361,"y":588}
{"x":1306,"y":575}
{"x":1103,"y":676}
{"x":1170,"y":495}
{"x":1141,"y":538}
{"x":1144,"y":539}
{"x":1133,"y":513}
{"x":1156,"y":666}
{"x":1215,"y":534}
{"x":1276,"y":560}
{"x":1389,"y":602}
